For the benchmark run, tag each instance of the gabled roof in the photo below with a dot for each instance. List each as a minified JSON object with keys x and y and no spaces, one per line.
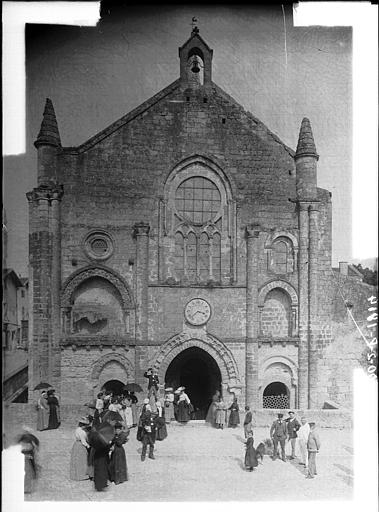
{"x":125,"y":119}
{"x":9,"y":272}
{"x":146,"y":105}
{"x":195,"y":35}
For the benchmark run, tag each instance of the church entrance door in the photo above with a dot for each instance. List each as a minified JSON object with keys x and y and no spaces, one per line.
{"x":195,"y":369}
{"x":113,"y":385}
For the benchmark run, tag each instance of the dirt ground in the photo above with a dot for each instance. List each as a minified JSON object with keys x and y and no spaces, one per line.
{"x":198,"y":463}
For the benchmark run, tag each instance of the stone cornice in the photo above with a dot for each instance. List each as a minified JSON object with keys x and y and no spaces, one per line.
{"x":99,"y":341}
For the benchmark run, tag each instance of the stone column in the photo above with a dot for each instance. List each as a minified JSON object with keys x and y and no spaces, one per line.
{"x":56,"y":279}
{"x":252,"y":316}
{"x":40,"y":261}
{"x":141,"y":233}
{"x":303,"y":304}
{"x":313,"y":317}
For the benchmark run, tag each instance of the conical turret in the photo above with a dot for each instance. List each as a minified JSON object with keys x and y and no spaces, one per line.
{"x":48,"y":143}
{"x":306,"y":144}
{"x":306,"y":163}
{"x":49,"y":133}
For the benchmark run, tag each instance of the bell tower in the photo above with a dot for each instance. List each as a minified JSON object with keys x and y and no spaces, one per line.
{"x":195,"y":56}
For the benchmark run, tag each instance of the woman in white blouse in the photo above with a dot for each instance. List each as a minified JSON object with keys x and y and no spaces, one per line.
{"x":184,"y":414}
{"x":79,"y":452}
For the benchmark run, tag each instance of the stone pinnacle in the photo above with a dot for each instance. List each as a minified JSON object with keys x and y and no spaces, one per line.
{"x":49,"y":133}
{"x":306,"y":144}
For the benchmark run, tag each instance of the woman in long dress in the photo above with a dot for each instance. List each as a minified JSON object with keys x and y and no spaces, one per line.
{"x":118,"y":469}
{"x":79,"y":453}
{"x":160,"y":422}
{"x":234,"y":418}
{"x":100,"y":457}
{"x":128,"y":412}
{"x":220,"y":414}
{"x":42,"y":412}
{"x":169,"y":405}
{"x":53,"y":413}
{"x":251,"y":460}
{"x":134,"y":406}
{"x":183,"y":415}
{"x":211,"y":414}
{"x":29,"y":447}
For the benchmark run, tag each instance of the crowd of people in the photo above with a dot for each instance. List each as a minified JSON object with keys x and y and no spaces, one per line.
{"x":98,"y":451}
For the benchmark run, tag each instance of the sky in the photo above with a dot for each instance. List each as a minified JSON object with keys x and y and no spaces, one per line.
{"x":280,"y":73}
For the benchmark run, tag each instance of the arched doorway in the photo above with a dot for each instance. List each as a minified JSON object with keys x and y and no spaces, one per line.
{"x":199,"y":373}
{"x":113,"y":385}
{"x":276,"y":396}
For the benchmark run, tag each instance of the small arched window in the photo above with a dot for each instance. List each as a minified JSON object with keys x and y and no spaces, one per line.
{"x":179,"y":255}
{"x":282,"y":256}
{"x":216,"y":257}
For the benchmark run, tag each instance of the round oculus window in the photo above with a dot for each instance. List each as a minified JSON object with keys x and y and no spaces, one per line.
{"x":198,"y":199}
{"x":98,"y":245}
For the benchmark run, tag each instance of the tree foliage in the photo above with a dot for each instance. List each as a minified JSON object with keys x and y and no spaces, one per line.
{"x":369,"y":276}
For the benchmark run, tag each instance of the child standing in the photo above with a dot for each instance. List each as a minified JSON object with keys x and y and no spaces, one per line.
{"x":251,"y":460}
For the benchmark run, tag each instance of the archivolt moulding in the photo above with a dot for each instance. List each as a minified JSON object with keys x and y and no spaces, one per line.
{"x":210,"y":344}
{"x":83,"y":274}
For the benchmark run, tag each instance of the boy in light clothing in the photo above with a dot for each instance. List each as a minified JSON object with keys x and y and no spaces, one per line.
{"x":313,"y":448}
{"x":302,"y":435}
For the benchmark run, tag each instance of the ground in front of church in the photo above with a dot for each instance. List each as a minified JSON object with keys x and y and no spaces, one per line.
{"x":198,"y":463}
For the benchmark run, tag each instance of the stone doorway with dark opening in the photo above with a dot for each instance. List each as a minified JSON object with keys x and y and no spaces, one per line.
{"x":115,"y":386}
{"x":199,"y":373}
{"x":276,"y":396}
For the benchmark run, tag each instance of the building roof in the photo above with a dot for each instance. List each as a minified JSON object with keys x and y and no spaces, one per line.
{"x":10,"y":273}
{"x":162,"y":95}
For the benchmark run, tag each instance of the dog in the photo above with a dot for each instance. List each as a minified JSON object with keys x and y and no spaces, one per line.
{"x":264,"y":448}
{"x":260,"y":450}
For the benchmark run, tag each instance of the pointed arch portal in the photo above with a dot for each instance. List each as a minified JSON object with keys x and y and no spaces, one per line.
{"x":195,"y":369}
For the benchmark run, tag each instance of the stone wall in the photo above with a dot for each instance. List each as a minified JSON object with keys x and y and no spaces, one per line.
{"x":348,"y":350}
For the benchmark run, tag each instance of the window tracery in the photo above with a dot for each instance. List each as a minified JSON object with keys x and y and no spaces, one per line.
{"x":198,"y":226}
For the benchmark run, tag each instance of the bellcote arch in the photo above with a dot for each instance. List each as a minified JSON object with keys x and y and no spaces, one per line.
{"x":197,"y":225}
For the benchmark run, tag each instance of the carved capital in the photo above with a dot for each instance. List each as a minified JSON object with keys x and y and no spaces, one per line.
{"x":46,"y":193}
{"x":253,"y":230}
{"x":314,"y":208}
{"x":141,"y":229}
{"x":303,"y":206}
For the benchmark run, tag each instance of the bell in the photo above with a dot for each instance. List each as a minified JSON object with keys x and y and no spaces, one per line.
{"x":195,"y":66}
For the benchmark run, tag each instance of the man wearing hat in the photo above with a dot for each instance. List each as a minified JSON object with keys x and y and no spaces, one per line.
{"x":293,"y":426}
{"x":278,"y":434}
{"x":153,"y":386}
{"x":148,"y":426}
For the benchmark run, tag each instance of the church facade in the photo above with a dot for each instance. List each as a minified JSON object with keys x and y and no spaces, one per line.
{"x":188,"y":238}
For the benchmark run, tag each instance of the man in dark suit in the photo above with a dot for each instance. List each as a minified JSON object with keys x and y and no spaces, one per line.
{"x":293,"y":426}
{"x":278,"y":434}
{"x":148,"y":424}
{"x":153,"y":385}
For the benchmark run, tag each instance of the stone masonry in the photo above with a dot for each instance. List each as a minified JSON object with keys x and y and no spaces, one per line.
{"x":187,"y":197}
